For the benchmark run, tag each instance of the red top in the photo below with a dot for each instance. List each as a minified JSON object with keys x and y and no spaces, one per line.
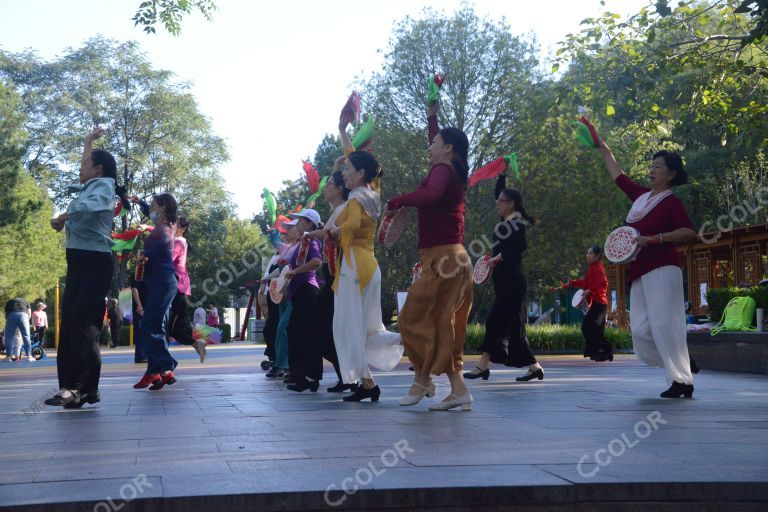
{"x":439,"y":199}
{"x":595,"y":280}
{"x":668,"y":215}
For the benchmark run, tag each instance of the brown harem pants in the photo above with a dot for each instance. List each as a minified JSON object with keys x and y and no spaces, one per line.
{"x":433,"y":322}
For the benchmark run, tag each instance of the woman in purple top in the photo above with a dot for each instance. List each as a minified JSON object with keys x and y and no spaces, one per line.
{"x":161,"y":283}
{"x":306,"y":352}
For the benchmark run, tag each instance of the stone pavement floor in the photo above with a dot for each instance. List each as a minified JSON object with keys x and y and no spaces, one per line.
{"x":223,"y":429}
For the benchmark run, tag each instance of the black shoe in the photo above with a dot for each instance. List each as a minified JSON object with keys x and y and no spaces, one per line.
{"x":676,"y":390}
{"x":275,"y":373}
{"x":599,"y":358}
{"x":538,"y":374}
{"x":482,"y":373}
{"x":290,"y":378}
{"x":362,"y":393}
{"x":140,"y":361}
{"x":60,"y":400}
{"x":410,"y":368}
{"x":305,"y":384}
{"x":340,"y":387}
{"x":82,"y":399}
{"x":694,"y":366}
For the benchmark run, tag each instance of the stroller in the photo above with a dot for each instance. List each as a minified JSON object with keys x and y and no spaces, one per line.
{"x":36,"y":346}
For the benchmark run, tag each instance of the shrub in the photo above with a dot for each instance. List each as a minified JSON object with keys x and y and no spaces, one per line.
{"x":551,"y":338}
{"x":226,"y":333}
{"x":718,"y":298}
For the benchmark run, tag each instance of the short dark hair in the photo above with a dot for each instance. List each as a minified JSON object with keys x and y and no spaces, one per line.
{"x":170,"y":205}
{"x":106,"y":161}
{"x":364,"y":161}
{"x":338,"y":180}
{"x":596,"y":250}
{"x":674,"y":163}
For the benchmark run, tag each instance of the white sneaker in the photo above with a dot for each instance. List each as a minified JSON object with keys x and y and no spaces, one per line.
{"x":31,"y":358}
{"x":7,"y":359}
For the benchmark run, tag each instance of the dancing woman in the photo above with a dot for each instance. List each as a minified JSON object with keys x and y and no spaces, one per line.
{"x":506,"y":320}
{"x":285,"y":251}
{"x":88,"y":227}
{"x":595,"y":286}
{"x":358,"y":331}
{"x":433,"y":322}
{"x":336,"y":195}
{"x":161,"y":286}
{"x":657,"y":315}
{"x":305,"y":351}
{"x":179,"y":327}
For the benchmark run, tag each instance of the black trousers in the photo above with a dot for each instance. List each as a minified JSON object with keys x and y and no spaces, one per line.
{"x":593,"y":329}
{"x":116,"y":330}
{"x":40,"y":331}
{"x":506,"y":322}
{"x":270,"y":328}
{"x":179,"y":325}
{"x":305,"y":351}
{"x":78,"y":362}
{"x":322,"y":319}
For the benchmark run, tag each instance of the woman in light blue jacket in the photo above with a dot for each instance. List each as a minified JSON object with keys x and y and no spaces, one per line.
{"x":87,"y":224}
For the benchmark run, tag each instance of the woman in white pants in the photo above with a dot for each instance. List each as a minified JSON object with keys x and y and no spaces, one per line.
{"x":358,"y":331}
{"x":657,"y":310}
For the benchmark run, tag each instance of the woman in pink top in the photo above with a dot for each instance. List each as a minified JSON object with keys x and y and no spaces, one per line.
{"x":40,"y":321}
{"x":657,"y":312}
{"x":179,"y":326}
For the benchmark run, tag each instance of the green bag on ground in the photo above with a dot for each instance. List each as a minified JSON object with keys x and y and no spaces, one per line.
{"x":737,"y":316}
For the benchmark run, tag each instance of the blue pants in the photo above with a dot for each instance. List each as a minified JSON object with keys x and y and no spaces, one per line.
{"x":161,"y":289}
{"x":281,"y":344}
{"x":17,"y":320}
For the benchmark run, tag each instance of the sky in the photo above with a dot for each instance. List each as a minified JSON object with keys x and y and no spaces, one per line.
{"x":272,"y":76}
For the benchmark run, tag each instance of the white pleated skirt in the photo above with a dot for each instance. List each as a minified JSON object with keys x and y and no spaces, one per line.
{"x":358,"y":331}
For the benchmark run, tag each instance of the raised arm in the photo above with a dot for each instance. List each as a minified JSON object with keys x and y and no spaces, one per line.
{"x":346,"y":143}
{"x":610,"y":161}
{"x":432,"y":125}
{"x":501,"y":184}
{"x":89,"y":139}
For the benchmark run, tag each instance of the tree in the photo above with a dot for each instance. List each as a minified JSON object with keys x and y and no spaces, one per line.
{"x":170,"y":13}
{"x":30,"y":258}
{"x":160,"y":139}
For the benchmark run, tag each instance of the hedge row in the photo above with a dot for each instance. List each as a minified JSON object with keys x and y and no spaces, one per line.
{"x":551,"y":337}
{"x":718,"y":298}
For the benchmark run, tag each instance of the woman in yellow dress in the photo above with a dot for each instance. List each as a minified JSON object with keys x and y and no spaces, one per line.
{"x":358,"y":331}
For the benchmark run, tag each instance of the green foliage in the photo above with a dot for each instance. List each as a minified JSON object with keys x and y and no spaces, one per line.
{"x":551,"y":338}
{"x":226,"y":333}
{"x":718,"y":298}
{"x":170,"y":13}
{"x":30,"y":251}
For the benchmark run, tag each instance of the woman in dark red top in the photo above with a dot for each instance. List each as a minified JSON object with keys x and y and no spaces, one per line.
{"x":595,"y":286}
{"x":657,"y":311}
{"x":433,"y":322}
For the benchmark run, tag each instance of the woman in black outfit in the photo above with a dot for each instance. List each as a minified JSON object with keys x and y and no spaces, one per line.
{"x":506,"y":320}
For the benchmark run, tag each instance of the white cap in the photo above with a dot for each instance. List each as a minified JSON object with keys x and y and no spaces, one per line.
{"x":309,"y":214}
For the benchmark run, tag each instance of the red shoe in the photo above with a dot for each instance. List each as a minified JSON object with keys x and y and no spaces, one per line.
{"x":147,"y":379}
{"x":166,"y":378}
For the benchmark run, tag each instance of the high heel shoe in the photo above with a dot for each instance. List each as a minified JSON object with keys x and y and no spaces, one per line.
{"x":340,"y":387}
{"x":165,"y":379}
{"x":427,"y":391}
{"x":465,"y":402}
{"x":676,"y":390}
{"x":147,"y":380}
{"x":482,"y":373}
{"x":538,"y":374}
{"x":305,"y":384}
{"x":362,"y":393}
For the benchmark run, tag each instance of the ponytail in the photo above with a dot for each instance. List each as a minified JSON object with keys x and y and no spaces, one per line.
{"x":460,"y":144}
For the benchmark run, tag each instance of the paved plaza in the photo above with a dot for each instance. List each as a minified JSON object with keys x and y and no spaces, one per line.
{"x":588,"y":437}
